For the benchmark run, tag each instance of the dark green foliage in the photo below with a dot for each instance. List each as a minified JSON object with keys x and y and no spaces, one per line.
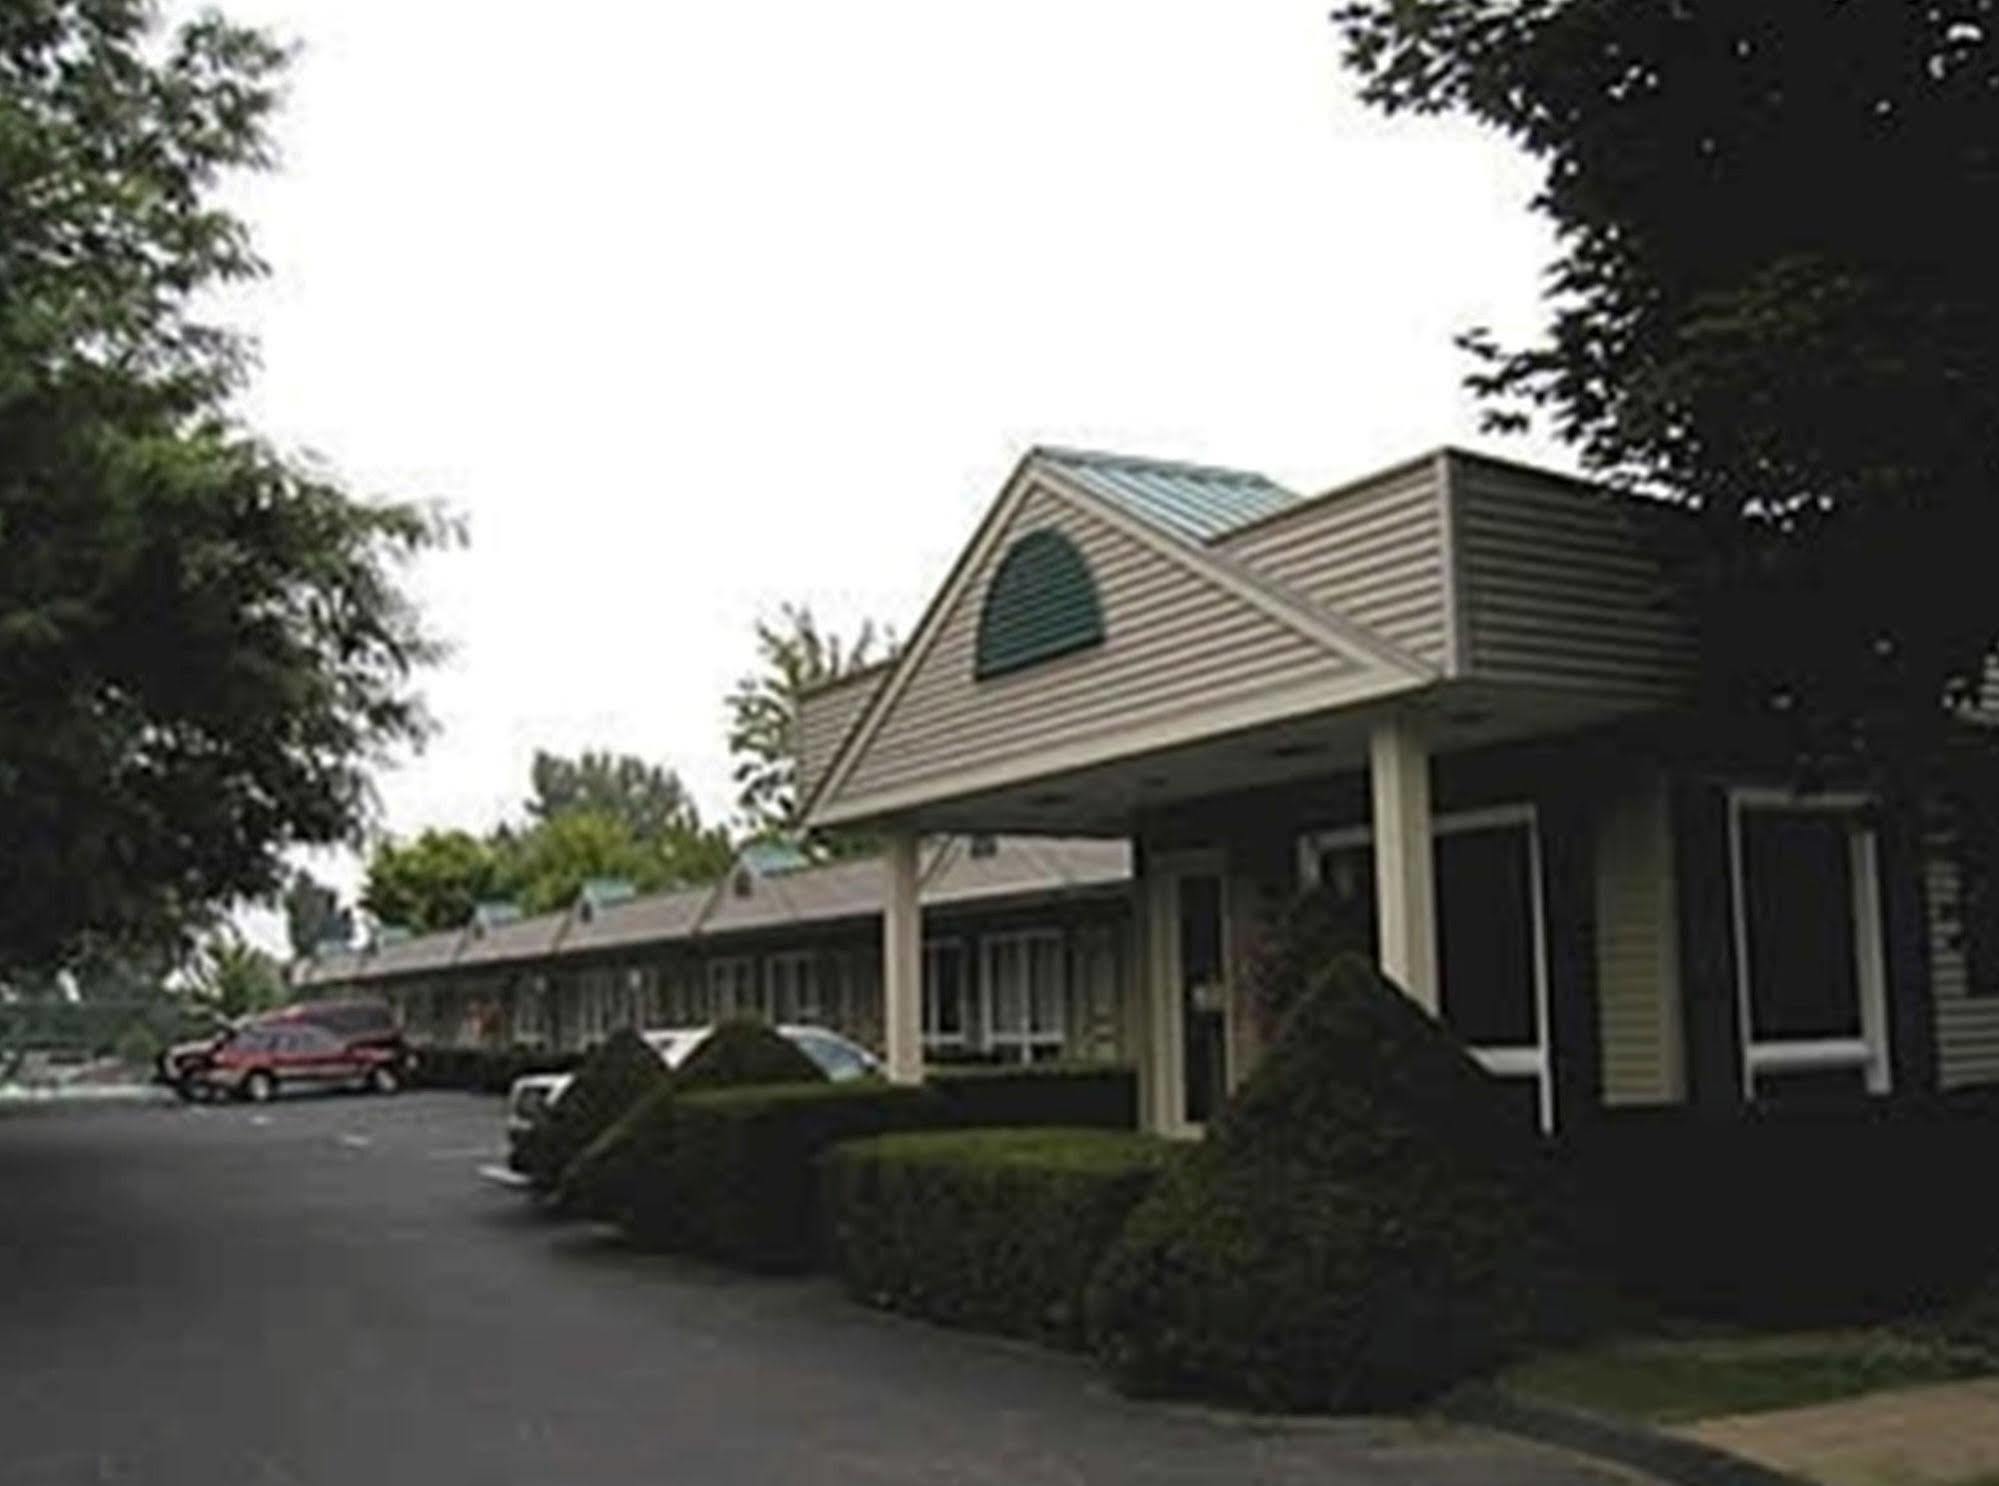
{"x":482,"y":1070}
{"x":1801,"y":356}
{"x":1972,"y":1326}
{"x":610,"y":1081}
{"x":993,"y":1229}
{"x":739,"y":1184}
{"x":745,"y":1052}
{"x":1100,"y":1095}
{"x":204,"y":644}
{"x":1727,"y":1217}
{"x":632,"y":1150}
{"x":1315,"y":929}
{"x":1358,"y":1229}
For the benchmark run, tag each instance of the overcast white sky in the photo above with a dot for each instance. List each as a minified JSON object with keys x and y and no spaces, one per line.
{"x":692,"y":309}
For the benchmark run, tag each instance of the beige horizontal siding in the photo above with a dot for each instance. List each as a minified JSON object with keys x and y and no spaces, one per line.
{"x":1556,"y":590}
{"x":1374,"y":553}
{"x":825,"y":717}
{"x":1175,"y":644}
{"x":1637,"y":970}
{"x":1967,"y":1026}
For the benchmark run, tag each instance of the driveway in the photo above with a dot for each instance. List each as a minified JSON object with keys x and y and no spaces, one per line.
{"x":321,"y":1292}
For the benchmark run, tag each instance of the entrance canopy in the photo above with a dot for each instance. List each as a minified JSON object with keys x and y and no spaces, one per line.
{"x":1123,"y":634}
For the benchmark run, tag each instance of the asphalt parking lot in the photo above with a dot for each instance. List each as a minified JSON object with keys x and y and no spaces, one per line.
{"x":321,"y":1291}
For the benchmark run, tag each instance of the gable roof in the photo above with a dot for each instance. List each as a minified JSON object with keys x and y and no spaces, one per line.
{"x":1172,"y":512}
{"x":644,"y":918}
{"x":1198,"y":502}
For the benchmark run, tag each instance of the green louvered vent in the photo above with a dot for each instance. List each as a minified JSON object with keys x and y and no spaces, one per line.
{"x":1041,"y":603}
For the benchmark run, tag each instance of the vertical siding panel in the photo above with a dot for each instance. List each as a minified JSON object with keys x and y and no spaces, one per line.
{"x":1967,"y":1025}
{"x":1636,"y":971}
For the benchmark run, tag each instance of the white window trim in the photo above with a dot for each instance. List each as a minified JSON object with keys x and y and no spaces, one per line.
{"x":931,"y":1036}
{"x":1513,"y":1060}
{"x":1026,"y":1041}
{"x":1869,"y":1051}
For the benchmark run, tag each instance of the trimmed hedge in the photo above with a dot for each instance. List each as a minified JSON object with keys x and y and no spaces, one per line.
{"x":737,"y":1182}
{"x":1099,"y":1095}
{"x":486,"y":1070}
{"x":1794,"y":1217}
{"x":998,"y":1230}
{"x":1361,"y":1228}
{"x":601,"y":1181}
{"x":619,"y":1073}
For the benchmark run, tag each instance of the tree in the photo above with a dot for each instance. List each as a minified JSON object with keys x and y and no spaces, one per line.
{"x":203,"y":644}
{"x":433,"y":882}
{"x":547,"y":866}
{"x":793,"y":655}
{"x":236,"y":978}
{"x":648,"y":798}
{"x":1774,"y":310}
{"x":313,"y":915}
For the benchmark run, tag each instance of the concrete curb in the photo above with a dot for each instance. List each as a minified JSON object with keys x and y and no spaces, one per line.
{"x":1668,"y":1458}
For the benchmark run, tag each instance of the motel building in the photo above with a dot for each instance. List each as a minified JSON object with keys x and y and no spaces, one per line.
{"x":1153,"y":702}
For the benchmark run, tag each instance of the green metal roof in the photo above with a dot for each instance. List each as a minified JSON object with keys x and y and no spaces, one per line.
{"x":1194,"y":501}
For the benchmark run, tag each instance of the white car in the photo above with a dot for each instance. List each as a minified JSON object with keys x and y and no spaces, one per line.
{"x":839,"y":1059}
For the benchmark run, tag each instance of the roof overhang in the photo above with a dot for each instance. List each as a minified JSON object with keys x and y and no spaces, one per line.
{"x":1109,"y":795}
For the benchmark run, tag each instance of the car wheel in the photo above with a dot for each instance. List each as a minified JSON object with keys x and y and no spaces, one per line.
{"x":259,"y":1087}
{"x":382,"y":1079}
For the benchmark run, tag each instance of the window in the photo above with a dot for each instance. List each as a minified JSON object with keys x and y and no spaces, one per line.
{"x":1041,"y":603}
{"x":1491,"y":957}
{"x":1027,"y":995}
{"x":1810,"y":964}
{"x":945,"y":1023}
{"x":732,"y":986}
{"x":793,"y":988}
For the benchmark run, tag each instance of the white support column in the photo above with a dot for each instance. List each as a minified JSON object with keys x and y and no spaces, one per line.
{"x":1405,"y":875}
{"x":902,"y":961}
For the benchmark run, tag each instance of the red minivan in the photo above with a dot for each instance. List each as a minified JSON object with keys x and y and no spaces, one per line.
{"x":256,"y":1061}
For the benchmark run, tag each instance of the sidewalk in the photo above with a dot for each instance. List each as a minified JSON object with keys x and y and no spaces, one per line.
{"x":1940,"y":1434}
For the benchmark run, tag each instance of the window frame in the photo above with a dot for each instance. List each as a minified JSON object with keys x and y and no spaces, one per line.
{"x":1535,"y":1060}
{"x":932,"y":1003}
{"x":1023,"y":1046}
{"x":1870,"y":1053}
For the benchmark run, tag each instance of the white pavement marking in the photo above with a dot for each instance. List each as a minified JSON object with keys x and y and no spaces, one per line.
{"x":356,"y":1142}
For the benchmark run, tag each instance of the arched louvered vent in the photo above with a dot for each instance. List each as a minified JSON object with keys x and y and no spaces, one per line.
{"x":1041,"y":603}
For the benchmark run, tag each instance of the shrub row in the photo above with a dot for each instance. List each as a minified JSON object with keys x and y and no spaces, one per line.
{"x":1097,"y":1095}
{"x":994,"y":1229}
{"x":603,"y":1180}
{"x":486,"y":1070}
{"x":735,"y":1180}
{"x":614,"y":1077}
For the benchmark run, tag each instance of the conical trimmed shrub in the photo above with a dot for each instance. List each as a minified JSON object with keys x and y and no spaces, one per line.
{"x":1358,"y":1229}
{"x":614,"y":1077}
{"x":601,"y":1180}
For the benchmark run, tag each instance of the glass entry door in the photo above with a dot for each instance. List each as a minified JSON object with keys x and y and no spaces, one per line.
{"x":1190,"y":953}
{"x":1810,"y":979}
